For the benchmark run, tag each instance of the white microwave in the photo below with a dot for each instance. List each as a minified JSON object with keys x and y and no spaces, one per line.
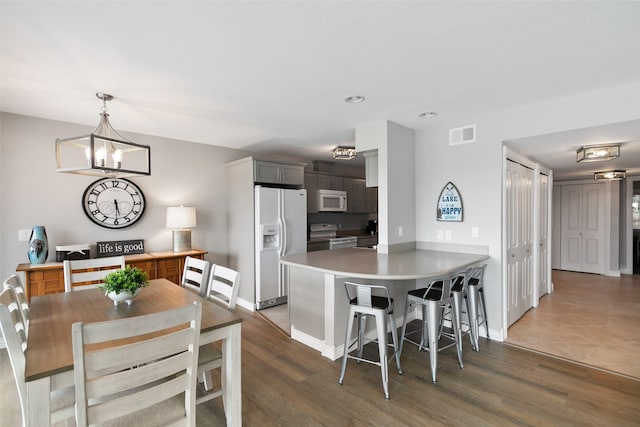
{"x":332,"y":201}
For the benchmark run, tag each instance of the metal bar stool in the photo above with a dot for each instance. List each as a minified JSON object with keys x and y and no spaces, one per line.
{"x":434,"y":299}
{"x":362,"y":305}
{"x":475,"y":300}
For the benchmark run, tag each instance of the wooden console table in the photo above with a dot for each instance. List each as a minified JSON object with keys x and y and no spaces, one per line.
{"x":48,"y":278}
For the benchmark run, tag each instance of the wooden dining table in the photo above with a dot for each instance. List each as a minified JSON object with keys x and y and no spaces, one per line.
{"x":49,"y":355}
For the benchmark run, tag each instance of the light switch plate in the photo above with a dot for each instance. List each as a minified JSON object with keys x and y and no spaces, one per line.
{"x":23,"y":235}
{"x":475,"y":232}
{"x":447,"y":235}
{"x":440,"y":234}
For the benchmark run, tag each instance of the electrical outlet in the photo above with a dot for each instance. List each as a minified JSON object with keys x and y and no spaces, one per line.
{"x":475,"y":232}
{"x":23,"y":235}
{"x":440,"y":234}
{"x":447,"y":235}
{"x":400,"y":231}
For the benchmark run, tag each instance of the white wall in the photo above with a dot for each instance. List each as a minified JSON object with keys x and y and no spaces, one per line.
{"x":476,"y":168}
{"x":395,"y":145}
{"x":400,"y":184}
{"x":32,"y":193}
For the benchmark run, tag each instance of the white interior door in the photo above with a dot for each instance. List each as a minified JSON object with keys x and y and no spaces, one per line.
{"x":582,"y":241}
{"x":593,"y":228}
{"x":571,"y":246}
{"x":519,"y":191}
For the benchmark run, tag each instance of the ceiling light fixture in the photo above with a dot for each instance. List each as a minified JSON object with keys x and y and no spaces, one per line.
{"x":610,"y":175}
{"x":344,"y":153}
{"x":354,"y":99}
{"x":596,"y":153}
{"x":104,"y":152}
{"x":427,"y":115}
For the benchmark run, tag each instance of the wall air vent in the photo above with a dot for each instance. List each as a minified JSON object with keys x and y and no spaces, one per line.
{"x":462,"y":135}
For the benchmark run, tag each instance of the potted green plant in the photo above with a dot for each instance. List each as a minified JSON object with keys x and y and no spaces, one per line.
{"x":124,"y":285}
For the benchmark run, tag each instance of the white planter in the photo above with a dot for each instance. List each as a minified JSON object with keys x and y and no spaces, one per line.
{"x":122,"y":296}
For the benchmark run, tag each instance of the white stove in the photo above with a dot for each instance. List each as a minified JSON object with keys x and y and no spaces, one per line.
{"x":329,"y":231}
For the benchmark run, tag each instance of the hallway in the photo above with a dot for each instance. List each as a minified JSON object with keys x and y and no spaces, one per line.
{"x":589,"y":319}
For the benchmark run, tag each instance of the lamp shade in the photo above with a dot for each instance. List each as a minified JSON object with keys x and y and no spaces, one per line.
{"x":179,"y":217}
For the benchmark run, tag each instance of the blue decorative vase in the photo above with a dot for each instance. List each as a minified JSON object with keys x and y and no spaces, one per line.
{"x":38,"y":245}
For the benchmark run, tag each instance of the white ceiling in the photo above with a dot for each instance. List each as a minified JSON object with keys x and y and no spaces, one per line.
{"x":272,"y":76}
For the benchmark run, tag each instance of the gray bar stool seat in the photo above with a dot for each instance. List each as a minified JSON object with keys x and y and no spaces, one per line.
{"x":362,"y":305}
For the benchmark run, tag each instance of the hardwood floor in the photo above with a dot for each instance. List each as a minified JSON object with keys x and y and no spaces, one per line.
{"x":285,"y":383}
{"x":589,"y":319}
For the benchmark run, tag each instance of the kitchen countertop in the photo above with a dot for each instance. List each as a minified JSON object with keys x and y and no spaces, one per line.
{"x":369,"y":264}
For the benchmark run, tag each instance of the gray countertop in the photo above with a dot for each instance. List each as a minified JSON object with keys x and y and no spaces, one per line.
{"x":369,"y":264}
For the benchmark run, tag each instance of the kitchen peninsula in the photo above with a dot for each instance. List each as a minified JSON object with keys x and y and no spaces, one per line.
{"x":317,"y":299}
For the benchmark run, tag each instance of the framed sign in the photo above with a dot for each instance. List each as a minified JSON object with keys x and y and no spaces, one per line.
{"x":449,"y":204}
{"x":120,"y":247}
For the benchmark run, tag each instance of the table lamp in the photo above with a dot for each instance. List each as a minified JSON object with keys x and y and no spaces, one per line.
{"x":180,"y":219}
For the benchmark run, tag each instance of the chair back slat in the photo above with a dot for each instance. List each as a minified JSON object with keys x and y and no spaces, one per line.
{"x":16,"y":283}
{"x":195,"y":275}
{"x":88,"y":273}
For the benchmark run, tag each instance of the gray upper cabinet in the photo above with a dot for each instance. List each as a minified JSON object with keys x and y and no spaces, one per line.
{"x":330,"y":182}
{"x":278,"y":173}
{"x":357,"y":200}
{"x":360,"y":198}
{"x":311,"y":185}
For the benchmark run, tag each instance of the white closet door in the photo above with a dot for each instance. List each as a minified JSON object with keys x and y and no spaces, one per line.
{"x":543,"y":285}
{"x":519,"y":189}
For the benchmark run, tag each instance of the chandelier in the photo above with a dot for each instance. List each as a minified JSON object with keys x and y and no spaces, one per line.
{"x":615,"y":175}
{"x":104,"y":152}
{"x":344,"y":153}
{"x":596,"y":153}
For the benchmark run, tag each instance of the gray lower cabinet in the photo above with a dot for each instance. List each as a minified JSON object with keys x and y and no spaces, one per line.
{"x":317,"y":246}
{"x":366,"y":241}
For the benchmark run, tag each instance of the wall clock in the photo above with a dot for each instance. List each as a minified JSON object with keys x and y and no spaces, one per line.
{"x":113,"y":202}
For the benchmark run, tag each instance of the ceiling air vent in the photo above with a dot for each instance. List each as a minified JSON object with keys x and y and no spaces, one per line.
{"x":462,"y":135}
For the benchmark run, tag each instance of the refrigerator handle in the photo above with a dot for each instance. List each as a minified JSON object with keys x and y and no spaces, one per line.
{"x":283,"y":227}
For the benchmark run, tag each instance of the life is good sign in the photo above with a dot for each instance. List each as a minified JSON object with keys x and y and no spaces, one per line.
{"x":449,"y":204}
{"x":120,"y":247}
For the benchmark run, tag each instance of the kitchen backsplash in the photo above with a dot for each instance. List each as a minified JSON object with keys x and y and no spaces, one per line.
{"x":345,"y":221}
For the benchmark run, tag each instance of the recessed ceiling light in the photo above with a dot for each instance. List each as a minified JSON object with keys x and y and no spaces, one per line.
{"x":354,"y":99}
{"x":427,"y":115}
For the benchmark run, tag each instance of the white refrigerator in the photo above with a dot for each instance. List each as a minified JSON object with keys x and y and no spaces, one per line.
{"x":280,"y":229}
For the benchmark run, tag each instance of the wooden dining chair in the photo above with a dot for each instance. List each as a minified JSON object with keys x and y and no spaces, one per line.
{"x":164,"y":366}
{"x":195,"y":275}
{"x":223,"y":288}
{"x":15,"y":282}
{"x":15,"y":338}
{"x":83,"y":274}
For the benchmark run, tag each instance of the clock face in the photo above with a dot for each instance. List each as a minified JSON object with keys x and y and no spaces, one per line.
{"x":113,"y":202}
